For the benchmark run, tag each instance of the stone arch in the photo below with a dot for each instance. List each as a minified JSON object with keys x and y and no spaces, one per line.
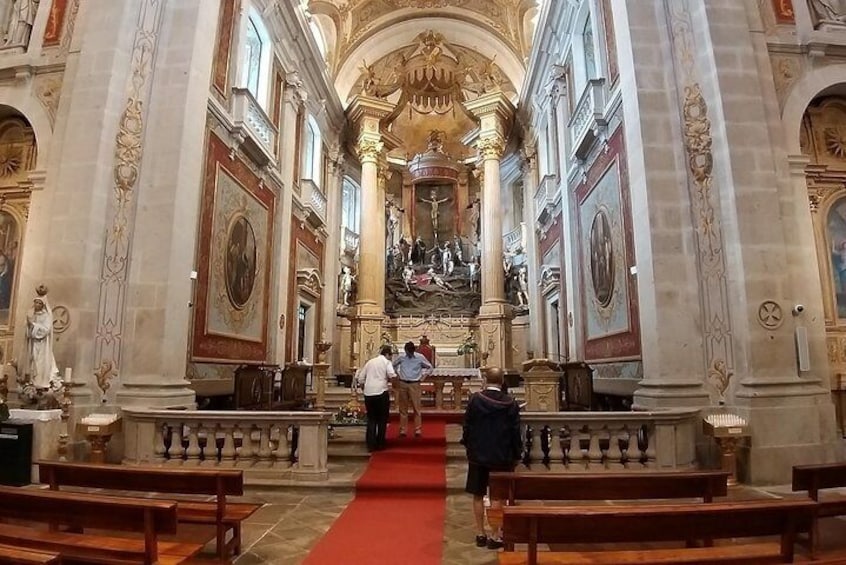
{"x":814,"y":82}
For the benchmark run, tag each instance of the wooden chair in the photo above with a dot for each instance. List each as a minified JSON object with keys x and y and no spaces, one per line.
{"x":218,"y":483}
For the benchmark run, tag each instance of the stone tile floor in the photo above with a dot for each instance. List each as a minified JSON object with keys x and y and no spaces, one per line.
{"x":293,"y":521}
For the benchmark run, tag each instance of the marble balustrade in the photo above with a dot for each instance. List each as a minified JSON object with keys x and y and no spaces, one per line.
{"x":614,"y":441}
{"x":268,"y":446}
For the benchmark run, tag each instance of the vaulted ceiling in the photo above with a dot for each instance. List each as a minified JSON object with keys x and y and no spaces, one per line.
{"x":364,"y":31}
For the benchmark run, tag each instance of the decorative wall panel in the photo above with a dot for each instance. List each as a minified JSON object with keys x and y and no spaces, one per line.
{"x":225,"y":32}
{"x":611,"y":327}
{"x":234,"y":261}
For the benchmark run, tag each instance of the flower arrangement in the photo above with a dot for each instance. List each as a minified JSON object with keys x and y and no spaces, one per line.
{"x":468,"y":346}
{"x":351,"y":413}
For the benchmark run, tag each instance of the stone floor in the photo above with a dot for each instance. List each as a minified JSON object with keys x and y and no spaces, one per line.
{"x":292,"y":521}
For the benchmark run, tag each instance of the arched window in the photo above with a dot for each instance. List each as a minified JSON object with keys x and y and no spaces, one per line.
{"x":351,"y":203}
{"x":257,"y":57}
{"x":588,"y":49}
{"x":313,"y":156}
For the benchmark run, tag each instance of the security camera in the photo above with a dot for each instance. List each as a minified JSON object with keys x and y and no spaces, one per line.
{"x":798,"y":309}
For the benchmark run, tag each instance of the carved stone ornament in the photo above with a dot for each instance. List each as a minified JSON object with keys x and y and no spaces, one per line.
{"x":104,"y":375}
{"x":770,"y":315}
{"x":369,"y":150}
{"x":61,"y":319}
{"x":491,"y":147}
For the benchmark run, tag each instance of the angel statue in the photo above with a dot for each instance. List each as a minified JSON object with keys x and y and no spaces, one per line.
{"x":347,"y":279}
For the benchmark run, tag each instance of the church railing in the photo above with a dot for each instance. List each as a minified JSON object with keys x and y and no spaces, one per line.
{"x":613,"y":441}
{"x":513,"y":240}
{"x":270,"y":447}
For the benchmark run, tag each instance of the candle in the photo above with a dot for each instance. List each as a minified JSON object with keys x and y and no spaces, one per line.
{"x":68,"y":373}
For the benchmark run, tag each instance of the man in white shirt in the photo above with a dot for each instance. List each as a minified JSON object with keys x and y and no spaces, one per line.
{"x":374,"y":376}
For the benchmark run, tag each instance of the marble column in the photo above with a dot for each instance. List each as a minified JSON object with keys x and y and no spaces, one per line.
{"x":494,"y":111}
{"x":367,"y":113}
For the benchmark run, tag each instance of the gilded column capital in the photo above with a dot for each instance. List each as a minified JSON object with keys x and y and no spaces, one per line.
{"x":491,"y":147}
{"x":369,"y":150}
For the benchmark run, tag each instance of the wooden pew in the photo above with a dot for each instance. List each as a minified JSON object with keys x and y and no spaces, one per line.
{"x":62,"y":511}
{"x":10,"y":555}
{"x":218,"y":483}
{"x":656,"y":523}
{"x":814,"y":478}
{"x":511,"y":487}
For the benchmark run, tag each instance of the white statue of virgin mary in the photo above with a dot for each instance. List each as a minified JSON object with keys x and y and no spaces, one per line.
{"x":41,"y":365}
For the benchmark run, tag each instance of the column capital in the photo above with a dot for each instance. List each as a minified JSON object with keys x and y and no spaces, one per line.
{"x":491,"y":147}
{"x":369,"y":149}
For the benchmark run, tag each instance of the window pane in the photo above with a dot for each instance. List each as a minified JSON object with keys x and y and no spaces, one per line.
{"x":253,"y":58}
{"x":590,"y":55}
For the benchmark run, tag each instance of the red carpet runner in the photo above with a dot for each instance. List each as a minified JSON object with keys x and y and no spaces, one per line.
{"x":397,"y":515}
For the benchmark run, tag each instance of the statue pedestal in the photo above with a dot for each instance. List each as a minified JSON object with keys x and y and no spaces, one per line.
{"x":46,"y":428}
{"x":541,"y":380}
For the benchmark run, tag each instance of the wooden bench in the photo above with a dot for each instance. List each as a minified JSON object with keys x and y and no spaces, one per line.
{"x":10,"y":555}
{"x":656,"y":523}
{"x":64,"y":514}
{"x":218,"y":483}
{"x":814,"y":478}
{"x":513,"y":487}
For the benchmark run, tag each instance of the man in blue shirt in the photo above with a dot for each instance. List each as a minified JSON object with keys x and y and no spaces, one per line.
{"x":410,"y":369}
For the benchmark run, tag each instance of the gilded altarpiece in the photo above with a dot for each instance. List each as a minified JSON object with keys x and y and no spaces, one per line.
{"x":17,"y":158}
{"x":823,"y":140}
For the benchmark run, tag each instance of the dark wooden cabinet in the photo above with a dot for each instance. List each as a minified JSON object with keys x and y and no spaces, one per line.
{"x":270,"y":387}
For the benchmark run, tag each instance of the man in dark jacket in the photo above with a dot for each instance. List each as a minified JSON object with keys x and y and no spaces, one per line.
{"x":492,"y":440}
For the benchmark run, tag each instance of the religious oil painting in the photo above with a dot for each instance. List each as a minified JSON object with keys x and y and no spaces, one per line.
{"x":603,"y":259}
{"x":837,"y":239}
{"x":9,"y":240}
{"x":238,"y":261}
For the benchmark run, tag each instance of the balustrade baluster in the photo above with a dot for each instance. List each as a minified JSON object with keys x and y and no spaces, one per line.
{"x":248,"y":448}
{"x":177,"y":449}
{"x":192,"y":453}
{"x":527,"y":445}
{"x":227,"y":452}
{"x":567,"y":444}
{"x":577,"y":456}
{"x":238,"y":442}
{"x":556,"y":452}
{"x":281,"y":453}
{"x":650,"y":458}
{"x":614,"y":455}
{"x":545,"y":437}
{"x":162,"y":443}
{"x":206,"y":447}
{"x":594,"y":453}
{"x":264,"y":451}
